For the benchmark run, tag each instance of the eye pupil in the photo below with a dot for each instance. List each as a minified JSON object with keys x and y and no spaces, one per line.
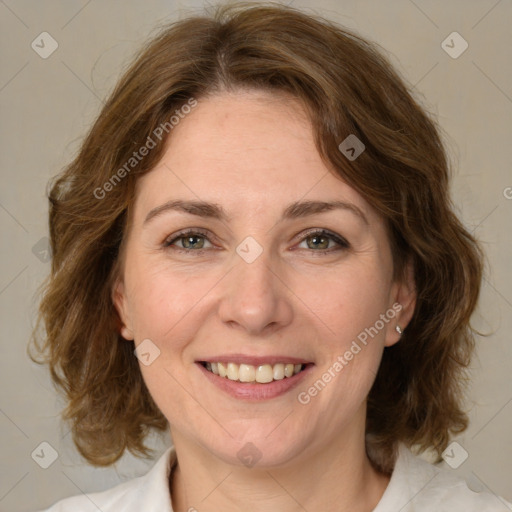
{"x":188,"y":241}
{"x":195,"y":242}
{"x":321,"y":237}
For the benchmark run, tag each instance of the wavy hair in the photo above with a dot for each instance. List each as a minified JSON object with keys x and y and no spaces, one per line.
{"x":348,"y":87}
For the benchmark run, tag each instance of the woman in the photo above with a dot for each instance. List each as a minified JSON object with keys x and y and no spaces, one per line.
{"x":261,"y":211}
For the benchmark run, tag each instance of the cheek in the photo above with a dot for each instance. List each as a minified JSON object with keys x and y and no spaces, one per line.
{"x":165,"y":302}
{"x":352,"y":341}
{"x":347,"y":301}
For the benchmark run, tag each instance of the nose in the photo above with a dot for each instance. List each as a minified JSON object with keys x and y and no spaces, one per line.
{"x":256,"y":298}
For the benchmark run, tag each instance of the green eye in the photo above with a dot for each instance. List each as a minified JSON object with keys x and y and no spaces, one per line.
{"x":320,"y":240}
{"x":192,"y":240}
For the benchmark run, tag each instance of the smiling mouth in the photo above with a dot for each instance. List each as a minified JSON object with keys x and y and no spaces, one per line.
{"x":248,"y":373}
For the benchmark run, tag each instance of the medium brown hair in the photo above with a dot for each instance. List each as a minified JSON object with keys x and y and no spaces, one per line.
{"x":347,"y":87}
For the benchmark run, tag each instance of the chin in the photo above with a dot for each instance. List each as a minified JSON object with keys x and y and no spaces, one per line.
{"x":259,"y":451}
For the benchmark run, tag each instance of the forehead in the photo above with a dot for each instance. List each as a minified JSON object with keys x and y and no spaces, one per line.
{"x":250,"y":151}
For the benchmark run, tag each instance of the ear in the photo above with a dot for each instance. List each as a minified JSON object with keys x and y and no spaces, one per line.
{"x":120,"y":303}
{"x":403,"y":302}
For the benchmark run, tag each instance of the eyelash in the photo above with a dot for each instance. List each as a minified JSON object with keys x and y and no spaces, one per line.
{"x":314,"y":232}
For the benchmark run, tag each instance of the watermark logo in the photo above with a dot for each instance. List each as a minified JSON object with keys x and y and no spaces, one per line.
{"x":351,"y":147}
{"x":455,"y":455}
{"x":44,"y":455}
{"x":42,"y":250}
{"x":152,"y":140}
{"x":147,"y":352}
{"x":249,"y":249}
{"x":304,"y":397}
{"x":454,"y":45}
{"x":44,"y":45}
{"x":249,"y":454}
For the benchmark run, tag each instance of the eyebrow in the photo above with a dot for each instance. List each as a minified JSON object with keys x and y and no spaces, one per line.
{"x":298,"y":209}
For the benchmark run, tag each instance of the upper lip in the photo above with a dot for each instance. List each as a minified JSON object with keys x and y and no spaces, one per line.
{"x":253,"y":360}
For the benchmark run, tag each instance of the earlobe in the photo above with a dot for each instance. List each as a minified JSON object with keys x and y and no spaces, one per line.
{"x":404,"y":305}
{"x":119,"y":300}
{"x":126,"y":333}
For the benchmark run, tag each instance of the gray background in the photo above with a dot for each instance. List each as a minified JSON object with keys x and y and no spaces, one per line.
{"x":47,"y":105}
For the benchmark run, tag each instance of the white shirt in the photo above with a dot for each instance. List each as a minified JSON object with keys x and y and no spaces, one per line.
{"x":415,"y":486}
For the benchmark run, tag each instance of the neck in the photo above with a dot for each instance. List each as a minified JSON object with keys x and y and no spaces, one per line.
{"x":337,"y":477}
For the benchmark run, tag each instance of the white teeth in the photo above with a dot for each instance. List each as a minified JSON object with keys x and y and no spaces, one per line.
{"x":246,"y":373}
{"x":222,"y":370}
{"x":232,"y":371}
{"x":262,"y":374}
{"x":288,"y":370}
{"x":278,"y":371}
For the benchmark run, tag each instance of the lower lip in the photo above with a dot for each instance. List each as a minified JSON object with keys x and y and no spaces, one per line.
{"x":256,"y":391}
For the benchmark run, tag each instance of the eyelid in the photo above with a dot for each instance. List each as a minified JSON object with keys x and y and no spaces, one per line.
{"x":183,"y":233}
{"x":338,"y":239}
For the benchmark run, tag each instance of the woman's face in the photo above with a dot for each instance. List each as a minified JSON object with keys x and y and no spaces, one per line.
{"x":266,"y":278}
